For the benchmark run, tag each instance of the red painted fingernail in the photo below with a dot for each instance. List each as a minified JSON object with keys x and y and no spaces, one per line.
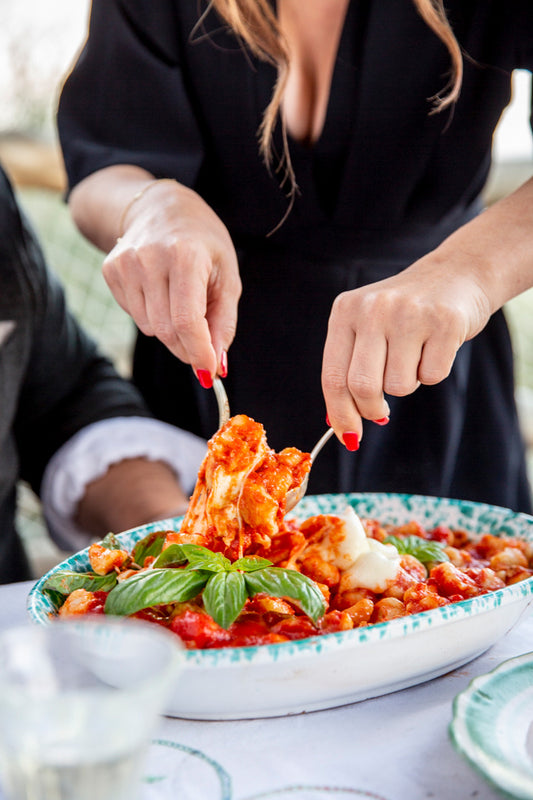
{"x":351,"y":440}
{"x":382,"y":421}
{"x":204,"y":376}
{"x":223,"y":364}
{"x":328,"y":423}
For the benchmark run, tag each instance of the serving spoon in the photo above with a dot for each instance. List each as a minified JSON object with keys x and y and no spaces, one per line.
{"x":293,"y":496}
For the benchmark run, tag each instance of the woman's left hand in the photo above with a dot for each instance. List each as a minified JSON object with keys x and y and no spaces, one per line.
{"x":390,"y":336}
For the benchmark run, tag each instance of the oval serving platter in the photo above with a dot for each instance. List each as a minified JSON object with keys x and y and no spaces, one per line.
{"x":341,"y":668}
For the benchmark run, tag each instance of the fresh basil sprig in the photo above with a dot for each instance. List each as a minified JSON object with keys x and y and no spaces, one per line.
{"x":224,"y":597}
{"x":150,"y":545}
{"x":287,"y":583}
{"x":67,"y":581}
{"x":425,"y":550}
{"x":251,"y":563}
{"x":154,"y":587}
{"x":171,"y":556}
{"x":202,"y":558}
{"x":111,"y":542}
{"x":226,"y":585}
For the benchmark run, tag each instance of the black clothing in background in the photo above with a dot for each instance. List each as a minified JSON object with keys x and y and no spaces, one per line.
{"x":53,"y":382}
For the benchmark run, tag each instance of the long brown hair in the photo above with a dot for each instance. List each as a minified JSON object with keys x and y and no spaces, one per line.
{"x":255,"y":23}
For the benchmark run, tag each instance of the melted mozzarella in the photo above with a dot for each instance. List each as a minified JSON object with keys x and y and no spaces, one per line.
{"x":341,"y":543}
{"x":373,"y":570}
{"x":364,"y":562}
{"x":225,"y":487}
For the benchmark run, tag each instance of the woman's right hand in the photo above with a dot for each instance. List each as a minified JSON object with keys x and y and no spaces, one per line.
{"x":174,"y":270}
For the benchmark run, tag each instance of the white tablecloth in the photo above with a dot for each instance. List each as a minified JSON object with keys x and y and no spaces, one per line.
{"x":391,"y":748}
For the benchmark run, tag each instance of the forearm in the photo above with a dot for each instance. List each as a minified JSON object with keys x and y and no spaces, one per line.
{"x":496,"y":247}
{"x":132,"y":492}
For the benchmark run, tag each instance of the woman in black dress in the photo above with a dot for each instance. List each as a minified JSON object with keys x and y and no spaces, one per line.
{"x":380,"y":188}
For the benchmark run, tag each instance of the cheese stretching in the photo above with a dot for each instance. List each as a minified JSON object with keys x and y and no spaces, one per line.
{"x":239,"y":498}
{"x":238,"y":505}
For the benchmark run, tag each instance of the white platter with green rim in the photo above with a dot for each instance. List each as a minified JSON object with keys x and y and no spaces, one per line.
{"x":492,"y":726}
{"x":341,"y":668}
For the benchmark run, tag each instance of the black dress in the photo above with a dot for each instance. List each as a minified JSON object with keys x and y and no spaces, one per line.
{"x":384,"y":184}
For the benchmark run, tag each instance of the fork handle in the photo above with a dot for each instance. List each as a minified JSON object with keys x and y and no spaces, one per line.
{"x":222,"y":400}
{"x":321,"y":442}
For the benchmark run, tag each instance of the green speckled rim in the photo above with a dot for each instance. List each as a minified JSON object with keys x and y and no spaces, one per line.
{"x":485,"y":712}
{"x":396,"y":509}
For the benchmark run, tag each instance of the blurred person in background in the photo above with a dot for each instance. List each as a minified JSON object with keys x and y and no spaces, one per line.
{"x":369,"y":269}
{"x":78,"y":433}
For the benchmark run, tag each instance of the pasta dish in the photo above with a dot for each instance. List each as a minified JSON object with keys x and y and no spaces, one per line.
{"x":241,"y":572}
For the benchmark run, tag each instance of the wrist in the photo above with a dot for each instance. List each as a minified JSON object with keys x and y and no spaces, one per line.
{"x":136,"y":197}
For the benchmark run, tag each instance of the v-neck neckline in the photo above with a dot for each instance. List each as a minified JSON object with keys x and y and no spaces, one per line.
{"x":333,"y":146}
{"x":341,"y":54}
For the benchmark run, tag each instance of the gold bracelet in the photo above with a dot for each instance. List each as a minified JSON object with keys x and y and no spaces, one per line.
{"x":134,"y":199}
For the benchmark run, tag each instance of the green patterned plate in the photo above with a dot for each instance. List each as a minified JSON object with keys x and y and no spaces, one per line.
{"x":492,"y":726}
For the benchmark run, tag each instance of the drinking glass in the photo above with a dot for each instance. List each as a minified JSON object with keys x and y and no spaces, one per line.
{"x":79,"y":702}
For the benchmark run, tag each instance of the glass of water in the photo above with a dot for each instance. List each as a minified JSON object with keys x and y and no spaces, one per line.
{"x":79,"y":702}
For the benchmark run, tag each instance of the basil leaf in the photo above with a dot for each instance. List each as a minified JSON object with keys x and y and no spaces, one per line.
{"x":171,"y":555}
{"x":201,"y":558}
{"x":56,"y":598}
{"x":66,"y":581}
{"x":424,"y":550}
{"x":111,"y":542}
{"x":224,"y":597}
{"x":150,"y":545}
{"x":154,"y":587}
{"x":251,"y":563}
{"x":288,"y":583}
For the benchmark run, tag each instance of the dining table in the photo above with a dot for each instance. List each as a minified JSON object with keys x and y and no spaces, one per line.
{"x":393,"y":747}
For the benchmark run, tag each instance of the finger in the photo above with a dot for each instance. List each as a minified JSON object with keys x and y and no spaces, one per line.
{"x":222,"y":306}
{"x":438,"y":355}
{"x":158,"y":311}
{"x":342,"y":412}
{"x":401,"y":371}
{"x":111,"y":277}
{"x":128,"y":294}
{"x":366,"y":374}
{"x":188,"y":307}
